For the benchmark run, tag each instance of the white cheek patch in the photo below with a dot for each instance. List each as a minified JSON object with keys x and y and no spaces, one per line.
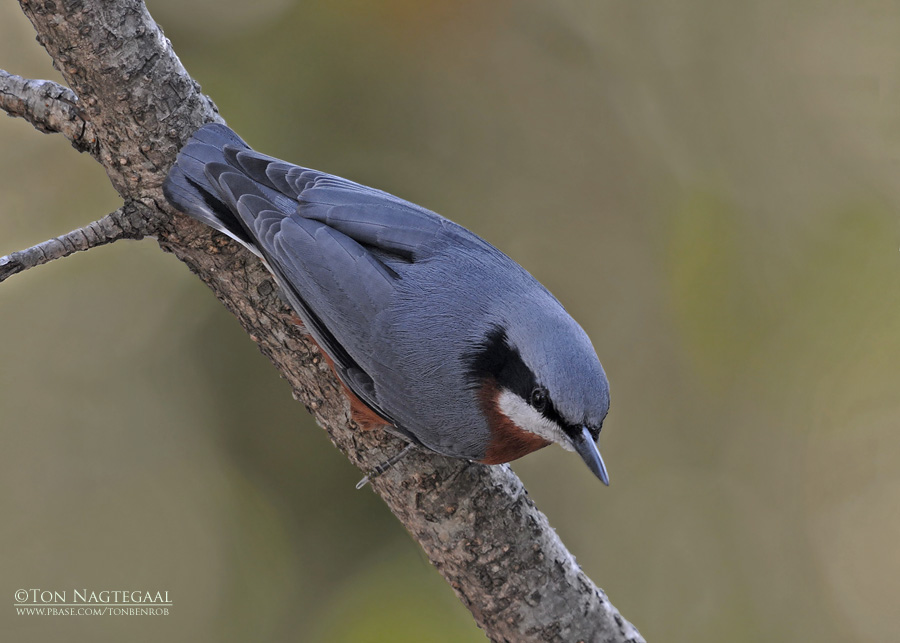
{"x":524,"y":416}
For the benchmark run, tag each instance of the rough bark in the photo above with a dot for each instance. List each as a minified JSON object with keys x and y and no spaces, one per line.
{"x":135,"y":106}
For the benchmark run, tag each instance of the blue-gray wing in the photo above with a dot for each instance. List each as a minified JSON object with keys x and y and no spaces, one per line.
{"x":340,"y":288}
{"x":374,"y":219}
{"x":338,"y":249}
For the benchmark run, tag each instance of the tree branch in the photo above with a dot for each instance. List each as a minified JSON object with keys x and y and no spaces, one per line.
{"x":476,"y":523}
{"x":48,"y":106}
{"x":124,"y":223}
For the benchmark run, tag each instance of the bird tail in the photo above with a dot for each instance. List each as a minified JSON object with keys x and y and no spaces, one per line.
{"x":189,"y":188}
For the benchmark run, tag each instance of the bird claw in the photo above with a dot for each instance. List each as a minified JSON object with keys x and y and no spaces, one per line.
{"x":384,"y":466}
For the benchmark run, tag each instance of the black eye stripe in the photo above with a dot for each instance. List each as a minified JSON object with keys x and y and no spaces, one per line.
{"x":495,"y":358}
{"x":552,"y":414}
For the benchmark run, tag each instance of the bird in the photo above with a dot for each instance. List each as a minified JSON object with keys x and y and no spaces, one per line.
{"x":434,"y":333}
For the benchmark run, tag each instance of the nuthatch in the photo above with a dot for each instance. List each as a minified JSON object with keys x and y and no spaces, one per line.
{"x":433,"y":332}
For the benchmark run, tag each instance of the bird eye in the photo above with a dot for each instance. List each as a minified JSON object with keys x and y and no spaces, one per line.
{"x":539,"y":399}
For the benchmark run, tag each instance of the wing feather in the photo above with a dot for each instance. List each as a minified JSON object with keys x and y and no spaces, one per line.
{"x":336,"y":248}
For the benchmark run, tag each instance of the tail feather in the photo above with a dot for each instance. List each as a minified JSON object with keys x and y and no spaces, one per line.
{"x":189,"y":188}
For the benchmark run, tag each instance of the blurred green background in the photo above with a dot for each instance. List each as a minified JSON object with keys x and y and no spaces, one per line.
{"x":709,"y":187}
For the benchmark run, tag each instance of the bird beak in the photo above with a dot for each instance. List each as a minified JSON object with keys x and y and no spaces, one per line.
{"x":586,"y":447}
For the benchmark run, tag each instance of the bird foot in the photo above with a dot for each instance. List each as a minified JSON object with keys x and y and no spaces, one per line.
{"x":384,"y":466}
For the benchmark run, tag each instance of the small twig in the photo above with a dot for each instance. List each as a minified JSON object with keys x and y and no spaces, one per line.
{"x":121,"y":224}
{"x":48,"y":106}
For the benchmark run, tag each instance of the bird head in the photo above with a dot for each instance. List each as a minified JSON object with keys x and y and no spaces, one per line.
{"x":539,"y":382}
